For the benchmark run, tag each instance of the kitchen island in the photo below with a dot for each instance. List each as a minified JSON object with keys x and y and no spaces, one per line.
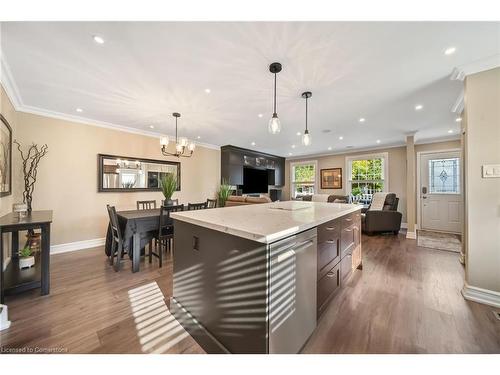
{"x":254,"y":279}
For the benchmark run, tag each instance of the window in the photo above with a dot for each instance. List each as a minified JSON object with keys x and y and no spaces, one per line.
{"x":444,"y":176}
{"x":367,"y":174}
{"x":303,"y":179}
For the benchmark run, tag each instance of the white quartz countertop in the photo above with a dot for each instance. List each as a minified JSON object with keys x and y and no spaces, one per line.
{"x":268,"y":222}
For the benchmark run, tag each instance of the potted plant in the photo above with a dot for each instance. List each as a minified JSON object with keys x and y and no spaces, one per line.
{"x":224,"y":193}
{"x":26,"y":258}
{"x":168,"y":187}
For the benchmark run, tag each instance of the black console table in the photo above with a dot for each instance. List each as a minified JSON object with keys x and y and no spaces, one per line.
{"x":13,"y":280}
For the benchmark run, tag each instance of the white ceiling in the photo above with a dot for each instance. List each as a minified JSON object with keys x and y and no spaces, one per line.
{"x":145,"y":71}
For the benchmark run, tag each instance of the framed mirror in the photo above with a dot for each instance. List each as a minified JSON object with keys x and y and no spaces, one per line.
{"x":127,"y":174}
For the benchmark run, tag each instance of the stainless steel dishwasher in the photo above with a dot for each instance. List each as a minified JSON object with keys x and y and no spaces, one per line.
{"x":292,"y":292}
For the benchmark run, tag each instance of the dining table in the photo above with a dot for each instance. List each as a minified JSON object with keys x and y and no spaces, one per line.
{"x":138,"y":228}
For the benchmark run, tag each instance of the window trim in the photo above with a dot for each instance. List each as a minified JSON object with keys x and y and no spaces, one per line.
{"x":316,"y":175}
{"x":385,"y":163}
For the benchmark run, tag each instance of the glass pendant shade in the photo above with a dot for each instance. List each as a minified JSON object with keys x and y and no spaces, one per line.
{"x":164,"y":141}
{"x":191,"y":146}
{"x":178,"y":147}
{"x":183,"y":141}
{"x":306,"y":138}
{"x":274,"y":124}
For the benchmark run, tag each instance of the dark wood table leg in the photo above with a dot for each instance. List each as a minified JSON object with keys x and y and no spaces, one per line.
{"x":1,"y":268}
{"x":45,"y":259}
{"x":136,"y":252}
{"x":15,"y":245}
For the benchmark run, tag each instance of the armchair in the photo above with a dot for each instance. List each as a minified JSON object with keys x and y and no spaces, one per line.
{"x":386,"y":220}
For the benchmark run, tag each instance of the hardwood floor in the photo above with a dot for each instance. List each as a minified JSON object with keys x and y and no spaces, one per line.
{"x":406,"y":300}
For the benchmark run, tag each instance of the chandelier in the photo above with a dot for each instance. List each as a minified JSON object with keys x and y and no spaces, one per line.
{"x":183,"y":148}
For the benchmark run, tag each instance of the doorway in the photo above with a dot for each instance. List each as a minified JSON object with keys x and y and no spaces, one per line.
{"x":440,"y":197}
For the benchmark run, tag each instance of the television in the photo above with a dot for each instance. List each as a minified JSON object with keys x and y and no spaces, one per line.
{"x":254,"y":180}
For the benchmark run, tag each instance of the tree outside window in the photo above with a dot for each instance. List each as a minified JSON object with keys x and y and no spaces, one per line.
{"x":367,"y":176}
{"x":303,"y":180}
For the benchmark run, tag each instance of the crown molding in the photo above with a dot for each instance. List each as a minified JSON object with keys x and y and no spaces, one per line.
{"x":455,"y":137}
{"x":10,"y":87}
{"x":458,"y":106}
{"x":8,"y":83}
{"x":460,"y":72}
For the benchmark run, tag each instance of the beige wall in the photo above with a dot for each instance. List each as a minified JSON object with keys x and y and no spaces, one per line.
{"x":7,"y":110}
{"x":397,"y":169}
{"x":482,"y":113}
{"x":67,"y":177}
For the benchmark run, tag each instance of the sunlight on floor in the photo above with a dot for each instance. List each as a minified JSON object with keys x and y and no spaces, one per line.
{"x":157,"y":329}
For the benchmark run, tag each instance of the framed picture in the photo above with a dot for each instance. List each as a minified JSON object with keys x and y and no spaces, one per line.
{"x":331,"y":178}
{"x":5,"y":157}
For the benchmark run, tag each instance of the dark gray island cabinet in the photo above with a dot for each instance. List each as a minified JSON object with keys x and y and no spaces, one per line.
{"x":255,"y":279}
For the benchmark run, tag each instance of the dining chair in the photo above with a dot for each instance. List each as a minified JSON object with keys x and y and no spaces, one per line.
{"x":146,"y":205}
{"x":211,"y":203}
{"x":166,"y":227}
{"x":175,"y":202}
{"x":197,"y":206}
{"x":117,"y":242}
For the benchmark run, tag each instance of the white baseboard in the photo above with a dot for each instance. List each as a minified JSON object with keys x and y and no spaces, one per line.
{"x":411,"y":235}
{"x":485,"y":296}
{"x":78,"y":245}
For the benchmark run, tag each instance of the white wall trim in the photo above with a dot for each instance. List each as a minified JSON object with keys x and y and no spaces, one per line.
{"x":411,"y":235}
{"x":460,"y":72}
{"x":12,"y":91}
{"x":485,"y":296}
{"x":78,"y":245}
{"x":418,"y":190}
{"x":8,"y":83}
{"x":454,"y":137}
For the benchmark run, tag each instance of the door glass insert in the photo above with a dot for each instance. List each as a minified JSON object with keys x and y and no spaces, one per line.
{"x":444,"y":176}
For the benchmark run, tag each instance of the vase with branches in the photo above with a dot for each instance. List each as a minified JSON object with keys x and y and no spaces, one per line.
{"x":30,"y":160}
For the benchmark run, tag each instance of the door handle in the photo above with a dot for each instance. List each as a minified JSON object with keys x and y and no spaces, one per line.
{"x":330,"y":274}
{"x":284,"y":256}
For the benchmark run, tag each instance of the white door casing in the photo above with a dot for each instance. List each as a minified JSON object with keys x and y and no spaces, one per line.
{"x":441,"y":191}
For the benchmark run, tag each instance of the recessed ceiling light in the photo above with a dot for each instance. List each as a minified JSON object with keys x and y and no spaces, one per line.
{"x":458,"y":119}
{"x":329,"y":148}
{"x":253,"y":143}
{"x":378,"y":140}
{"x":260,"y":115}
{"x":79,"y":110}
{"x":98,"y":39}
{"x":290,"y":154}
{"x":450,"y":131}
{"x":198,"y":137}
{"x":450,"y":51}
{"x":341,"y":138}
{"x":299,"y":133}
{"x":418,"y":107}
{"x":362,"y":119}
{"x":208,"y":91}
{"x":293,"y":146}
{"x":152,"y":126}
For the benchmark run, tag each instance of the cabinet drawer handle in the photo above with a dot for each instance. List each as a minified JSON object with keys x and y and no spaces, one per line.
{"x":330,"y":274}
{"x":348,"y":219}
{"x":330,"y":241}
{"x":330,"y":228}
{"x":347,"y":230}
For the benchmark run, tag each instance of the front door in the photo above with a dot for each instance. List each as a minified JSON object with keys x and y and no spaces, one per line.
{"x":441,"y":196}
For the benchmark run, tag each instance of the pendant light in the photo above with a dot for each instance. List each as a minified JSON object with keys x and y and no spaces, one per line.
{"x":274,"y":123}
{"x":181,"y":144}
{"x":306,"y":137}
